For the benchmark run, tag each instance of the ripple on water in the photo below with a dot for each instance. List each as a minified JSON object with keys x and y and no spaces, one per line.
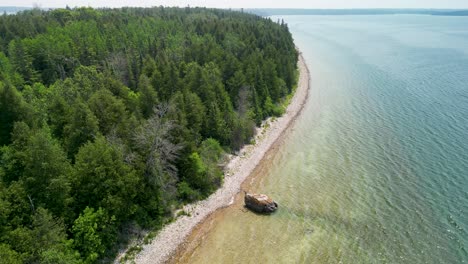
{"x":376,"y":168}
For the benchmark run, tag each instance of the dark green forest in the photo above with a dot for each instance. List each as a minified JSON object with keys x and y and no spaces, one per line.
{"x":112,"y":118}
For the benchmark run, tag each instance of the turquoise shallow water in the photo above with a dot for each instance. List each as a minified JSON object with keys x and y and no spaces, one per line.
{"x":375,"y":170}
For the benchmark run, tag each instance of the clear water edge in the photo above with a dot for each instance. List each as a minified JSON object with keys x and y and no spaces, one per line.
{"x":375,"y":170}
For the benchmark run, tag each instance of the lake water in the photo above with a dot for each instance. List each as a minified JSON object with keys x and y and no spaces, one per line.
{"x":375,"y":170}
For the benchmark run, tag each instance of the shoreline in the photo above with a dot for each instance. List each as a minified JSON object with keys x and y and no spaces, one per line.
{"x":173,"y":236}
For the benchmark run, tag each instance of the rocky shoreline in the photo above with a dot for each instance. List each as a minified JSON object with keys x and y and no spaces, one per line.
{"x":168,"y":240}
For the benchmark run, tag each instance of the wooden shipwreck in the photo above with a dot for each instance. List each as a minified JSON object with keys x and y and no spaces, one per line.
{"x":260,"y":203}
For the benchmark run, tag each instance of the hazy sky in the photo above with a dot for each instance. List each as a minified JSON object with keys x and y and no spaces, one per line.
{"x":248,"y":3}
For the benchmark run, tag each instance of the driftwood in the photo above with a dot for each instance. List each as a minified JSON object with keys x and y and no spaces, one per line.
{"x":260,"y":203}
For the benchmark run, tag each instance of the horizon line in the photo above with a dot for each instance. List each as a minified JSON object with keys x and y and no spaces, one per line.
{"x":267,"y":8}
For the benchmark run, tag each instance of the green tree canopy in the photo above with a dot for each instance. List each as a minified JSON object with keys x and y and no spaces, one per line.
{"x":112,"y":118}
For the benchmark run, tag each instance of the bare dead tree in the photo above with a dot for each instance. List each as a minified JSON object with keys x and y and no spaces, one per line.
{"x":153,"y":139}
{"x":118,"y":64}
{"x":33,"y":209}
{"x":114,"y":140}
{"x":243,"y":100}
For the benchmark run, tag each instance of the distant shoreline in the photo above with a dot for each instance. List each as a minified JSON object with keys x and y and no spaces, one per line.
{"x":293,"y":11}
{"x":357,"y":12}
{"x":173,"y":236}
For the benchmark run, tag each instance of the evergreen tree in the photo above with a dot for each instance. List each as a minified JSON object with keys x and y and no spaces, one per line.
{"x":12,"y":109}
{"x":114,"y":117}
{"x":103,"y":179}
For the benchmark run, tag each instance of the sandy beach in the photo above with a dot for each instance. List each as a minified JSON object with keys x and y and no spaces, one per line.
{"x":168,"y":240}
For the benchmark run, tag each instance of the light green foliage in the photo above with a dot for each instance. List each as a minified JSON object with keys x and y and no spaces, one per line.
{"x":187,"y":193}
{"x":211,"y":154}
{"x":211,"y":150}
{"x":196,"y":174}
{"x":92,"y":230}
{"x":203,"y":173}
{"x":9,"y":256}
{"x":272,"y":109}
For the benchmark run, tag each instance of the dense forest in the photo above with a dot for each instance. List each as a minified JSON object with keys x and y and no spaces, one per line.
{"x":112,"y":118}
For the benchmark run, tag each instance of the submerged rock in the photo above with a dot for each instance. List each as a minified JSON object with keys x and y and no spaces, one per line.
{"x":260,"y":203}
